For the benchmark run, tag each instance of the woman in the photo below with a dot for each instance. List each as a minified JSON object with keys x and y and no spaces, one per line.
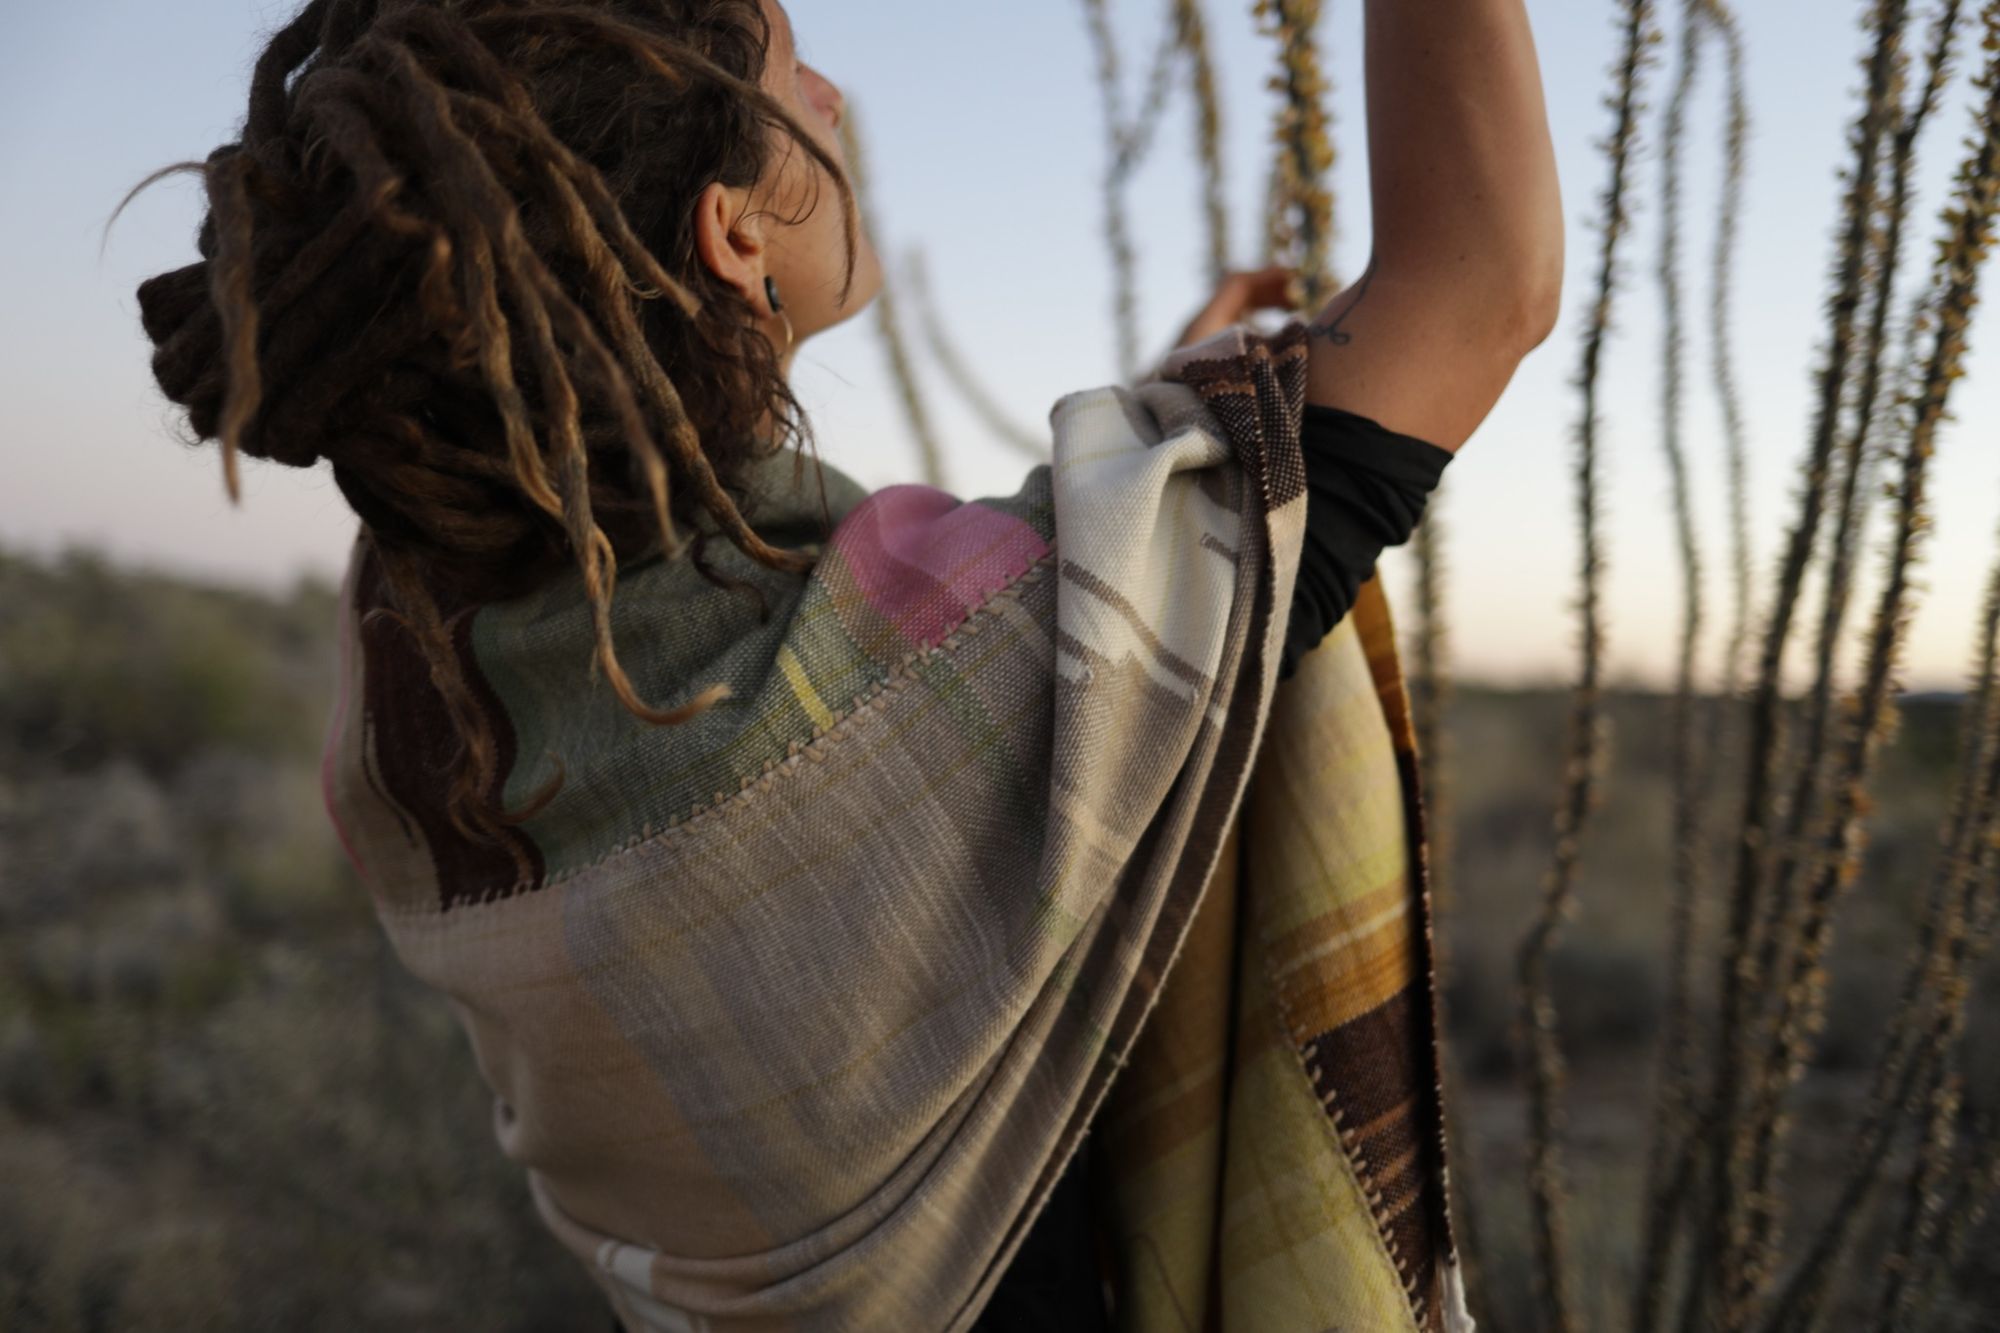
{"x":798,"y":1010}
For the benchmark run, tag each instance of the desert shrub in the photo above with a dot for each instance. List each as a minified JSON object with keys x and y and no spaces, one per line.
{"x":96,"y":663}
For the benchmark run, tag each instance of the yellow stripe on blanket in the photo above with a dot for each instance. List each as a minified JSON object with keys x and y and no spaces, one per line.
{"x":808,"y":697}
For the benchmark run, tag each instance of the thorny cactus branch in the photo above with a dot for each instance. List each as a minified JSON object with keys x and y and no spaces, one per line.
{"x":1964,"y":843}
{"x":1670,"y":1171}
{"x":1811,"y":776}
{"x":1722,"y":369}
{"x":1131,"y":139}
{"x":1010,"y":432}
{"x":1275,"y":226}
{"x":1925,"y":1245}
{"x":1191,"y":28}
{"x":1951,"y":945}
{"x":1430,"y":706}
{"x":1968,"y":227}
{"x":1811,"y":773}
{"x":1722,"y":359}
{"x":1185,"y":38}
{"x":1972,"y":1195}
{"x":1117,"y":228}
{"x":1916,"y":1227}
{"x":1975,"y":832}
{"x":1587,"y":738}
{"x":1301,"y":225}
{"x":887,"y":322}
{"x":1671,"y":1126}
{"x":1135,"y":136}
{"x":1717,"y":1255}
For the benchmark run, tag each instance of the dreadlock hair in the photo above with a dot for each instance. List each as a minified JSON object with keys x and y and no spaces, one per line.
{"x":453,"y":254}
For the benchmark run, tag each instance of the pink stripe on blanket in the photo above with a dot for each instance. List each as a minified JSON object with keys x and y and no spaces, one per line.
{"x":924,"y":559}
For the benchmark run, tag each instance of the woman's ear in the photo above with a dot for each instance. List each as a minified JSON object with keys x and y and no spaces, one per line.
{"x":729,"y":238}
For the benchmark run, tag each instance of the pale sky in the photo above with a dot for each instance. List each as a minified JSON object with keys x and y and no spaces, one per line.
{"x":986,"y":147}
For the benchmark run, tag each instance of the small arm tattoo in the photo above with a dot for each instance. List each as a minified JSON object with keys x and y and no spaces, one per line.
{"x":1331,"y":331}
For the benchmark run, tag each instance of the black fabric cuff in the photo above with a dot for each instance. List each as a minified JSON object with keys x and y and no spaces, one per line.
{"x":1366,"y":487}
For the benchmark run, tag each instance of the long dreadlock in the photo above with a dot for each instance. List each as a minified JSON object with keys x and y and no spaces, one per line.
{"x":453,"y":254}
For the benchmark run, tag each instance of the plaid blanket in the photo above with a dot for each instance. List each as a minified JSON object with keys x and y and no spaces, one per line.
{"x":795,"y":1013}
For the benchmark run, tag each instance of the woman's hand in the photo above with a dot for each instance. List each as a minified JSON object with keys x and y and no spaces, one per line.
{"x":1240,"y":294}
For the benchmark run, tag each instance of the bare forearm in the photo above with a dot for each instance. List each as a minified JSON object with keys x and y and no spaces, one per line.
{"x":1462,"y":173}
{"x":1465,"y":277}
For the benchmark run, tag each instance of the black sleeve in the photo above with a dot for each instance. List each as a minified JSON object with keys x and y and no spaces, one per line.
{"x":1053,"y":1286}
{"x":1366,"y":487}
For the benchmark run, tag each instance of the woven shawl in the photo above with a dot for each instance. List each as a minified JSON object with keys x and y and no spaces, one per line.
{"x":795,"y":1013}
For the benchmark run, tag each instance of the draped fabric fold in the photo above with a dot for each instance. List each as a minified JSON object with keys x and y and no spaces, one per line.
{"x":1007,"y":833}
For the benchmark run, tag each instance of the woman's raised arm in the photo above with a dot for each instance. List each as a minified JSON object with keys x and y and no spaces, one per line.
{"x":1466,"y":271}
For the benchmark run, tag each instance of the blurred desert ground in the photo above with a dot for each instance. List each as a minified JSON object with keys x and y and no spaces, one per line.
{"x":224,"y":1106}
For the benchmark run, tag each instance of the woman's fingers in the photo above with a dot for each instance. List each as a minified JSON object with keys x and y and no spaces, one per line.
{"x":1267,"y":288}
{"x":1244,"y":290}
{"x":1240,"y":293}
